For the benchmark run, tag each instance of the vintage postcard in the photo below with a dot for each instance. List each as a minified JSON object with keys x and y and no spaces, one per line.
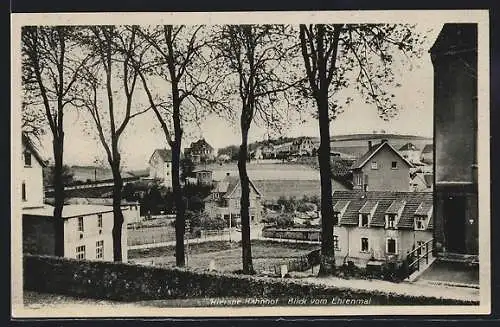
{"x":250,"y":164}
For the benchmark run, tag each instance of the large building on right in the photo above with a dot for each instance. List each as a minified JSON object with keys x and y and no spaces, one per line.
{"x":454,"y":58}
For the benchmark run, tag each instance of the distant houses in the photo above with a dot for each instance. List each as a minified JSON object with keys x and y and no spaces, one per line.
{"x":224,"y":201}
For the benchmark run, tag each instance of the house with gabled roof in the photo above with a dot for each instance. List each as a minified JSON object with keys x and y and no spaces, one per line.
{"x":380,"y":226}
{"x":381,"y":168}
{"x":224,"y":200}
{"x":160,"y":166}
{"x":200,"y":151}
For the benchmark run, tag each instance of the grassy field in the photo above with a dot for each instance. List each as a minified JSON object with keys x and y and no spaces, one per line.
{"x":227,"y":257}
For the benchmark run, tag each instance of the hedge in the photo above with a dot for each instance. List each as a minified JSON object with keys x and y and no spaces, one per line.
{"x":127,"y":282}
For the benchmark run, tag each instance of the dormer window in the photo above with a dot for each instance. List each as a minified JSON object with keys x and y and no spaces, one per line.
{"x":366,"y":212}
{"x":390,"y":221}
{"x":393,"y":213}
{"x":364,"y":219}
{"x":339,"y":209}
{"x":27,"y":159}
{"x":420,"y":222}
{"x":422,"y":216}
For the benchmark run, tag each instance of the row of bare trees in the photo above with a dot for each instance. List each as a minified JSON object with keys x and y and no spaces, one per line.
{"x":184,"y":73}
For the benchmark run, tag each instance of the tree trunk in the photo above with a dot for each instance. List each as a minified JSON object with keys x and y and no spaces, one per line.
{"x":57,"y":144}
{"x":180,"y":222}
{"x":117,"y":211}
{"x":327,"y":262}
{"x":246,"y":245}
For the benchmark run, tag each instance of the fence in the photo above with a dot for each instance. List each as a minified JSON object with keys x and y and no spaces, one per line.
{"x":417,"y":256}
{"x":301,"y":263}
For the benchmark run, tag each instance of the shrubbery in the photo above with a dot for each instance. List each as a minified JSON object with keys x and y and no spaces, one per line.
{"x":126,"y":282}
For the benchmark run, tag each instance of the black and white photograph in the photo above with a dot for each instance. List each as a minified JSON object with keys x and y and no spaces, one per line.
{"x":250,"y":164}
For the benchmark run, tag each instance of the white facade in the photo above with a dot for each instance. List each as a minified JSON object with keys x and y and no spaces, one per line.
{"x":95,"y":241}
{"x":32,"y":180}
{"x":160,"y":169}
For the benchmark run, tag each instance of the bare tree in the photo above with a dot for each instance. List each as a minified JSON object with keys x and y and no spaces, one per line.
{"x":180,"y":57}
{"x":257,"y":56}
{"x":336,"y":57}
{"x":112,"y":48}
{"x":51,"y":68}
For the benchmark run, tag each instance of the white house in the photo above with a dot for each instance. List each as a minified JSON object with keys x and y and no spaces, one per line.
{"x":87,"y":228}
{"x":32,"y":175}
{"x":160,"y":166}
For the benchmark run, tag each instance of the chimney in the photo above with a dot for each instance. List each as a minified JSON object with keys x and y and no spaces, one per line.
{"x":384,"y":141}
{"x":369,"y":145}
{"x":227,"y":174}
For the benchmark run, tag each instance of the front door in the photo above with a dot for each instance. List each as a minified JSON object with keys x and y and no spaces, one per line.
{"x":454,"y":217}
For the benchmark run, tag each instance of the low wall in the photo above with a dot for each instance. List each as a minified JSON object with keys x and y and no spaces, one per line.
{"x":126,"y":282}
{"x":313,"y":234}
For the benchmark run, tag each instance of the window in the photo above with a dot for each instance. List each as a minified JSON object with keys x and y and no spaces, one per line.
{"x":364,"y":220}
{"x":391,"y":246}
{"x":420,"y":223}
{"x":23,"y":191}
{"x":80,"y":224}
{"x":390,"y":221}
{"x":336,"y":242}
{"x":99,"y":220}
{"x":99,"y":249}
{"x":374,"y":165}
{"x":364,"y":244}
{"x":394,"y":165}
{"x":80,"y":252}
{"x":27,"y":159}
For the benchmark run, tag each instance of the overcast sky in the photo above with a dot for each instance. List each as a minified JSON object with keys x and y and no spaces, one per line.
{"x":144,"y":135}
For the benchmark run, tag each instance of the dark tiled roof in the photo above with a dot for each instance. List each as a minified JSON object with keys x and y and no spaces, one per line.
{"x":368,"y":206}
{"x":200,"y":144}
{"x":340,"y":205}
{"x":427,"y":148}
{"x":395,"y":206}
{"x":423,"y":208}
{"x":229,"y":184}
{"x":358,"y":199}
{"x":361,"y":160}
{"x":409,"y":147}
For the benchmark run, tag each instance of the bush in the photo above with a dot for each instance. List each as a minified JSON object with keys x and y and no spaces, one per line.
{"x":126,"y":282}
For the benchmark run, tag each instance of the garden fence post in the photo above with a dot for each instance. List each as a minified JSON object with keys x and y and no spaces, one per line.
{"x":426,"y":254}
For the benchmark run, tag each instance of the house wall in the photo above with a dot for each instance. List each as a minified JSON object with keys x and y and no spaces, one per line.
{"x":91,"y":234}
{"x":384,"y":178}
{"x":32,"y":177}
{"x":161,"y":170}
{"x":350,"y":242}
{"x":38,"y":235}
